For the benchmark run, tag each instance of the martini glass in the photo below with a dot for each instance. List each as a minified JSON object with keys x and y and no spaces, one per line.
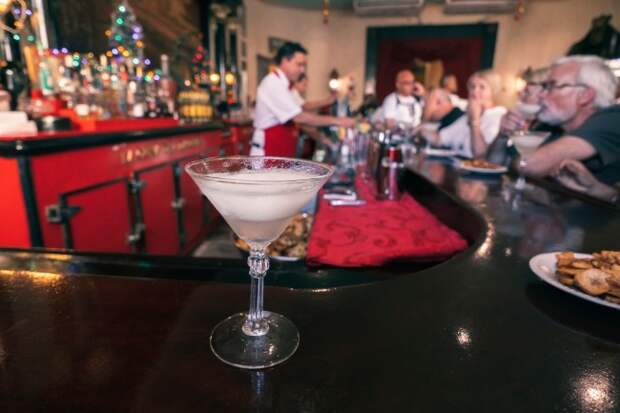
{"x":257,"y":196}
{"x":527,"y":110}
{"x":526,"y":143}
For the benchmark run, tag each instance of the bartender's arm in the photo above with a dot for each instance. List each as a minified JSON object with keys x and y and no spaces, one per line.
{"x":318,"y":104}
{"x":311,"y":119}
{"x":284,"y":107}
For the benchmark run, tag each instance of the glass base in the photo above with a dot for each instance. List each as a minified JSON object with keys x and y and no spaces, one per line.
{"x":231,"y":345}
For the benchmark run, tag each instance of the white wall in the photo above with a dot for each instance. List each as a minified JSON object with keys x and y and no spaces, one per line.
{"x":304,"y":26}
{"x":545,"y":32}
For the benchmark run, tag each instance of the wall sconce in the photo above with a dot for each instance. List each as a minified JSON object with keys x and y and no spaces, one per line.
{"x":230,"y":79}
{"x":214,"y":78}
{"x":334,"y":84}
{"x":334,"y":81}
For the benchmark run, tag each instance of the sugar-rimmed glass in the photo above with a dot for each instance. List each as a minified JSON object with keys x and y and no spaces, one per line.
{"x":258,"y":197}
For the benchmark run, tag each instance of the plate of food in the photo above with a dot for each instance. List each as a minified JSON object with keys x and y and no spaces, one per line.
{"x":440,"y":152}
{"x":481,"y":166}
{"x":292,"y":244}
{"x":593,"y":277}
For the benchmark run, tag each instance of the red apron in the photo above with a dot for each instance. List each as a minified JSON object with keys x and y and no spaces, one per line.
{"x":281,"y":140}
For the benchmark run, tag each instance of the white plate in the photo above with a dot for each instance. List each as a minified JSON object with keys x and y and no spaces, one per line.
{"x":283,"y":258}
{"x":439,"y":152}
{"x":497,"y":171}
{"x":544,"y":266}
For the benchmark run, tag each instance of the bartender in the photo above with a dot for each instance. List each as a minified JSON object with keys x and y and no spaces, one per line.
{"x":277,"y":111}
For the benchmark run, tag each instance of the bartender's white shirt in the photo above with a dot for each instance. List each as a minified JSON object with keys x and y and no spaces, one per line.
{"x":298,"y":98}
{"x":458,"y":134}
{"x":403,"y":109}
{"x":275,"y":105}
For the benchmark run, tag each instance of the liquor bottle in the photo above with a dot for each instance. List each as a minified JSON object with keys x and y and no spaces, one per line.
{"x":12,"y":75}
{"x":125,"y":85}
{"x":136,"y":89}
{"x":153,"y":107}
{"x":167,"y":86}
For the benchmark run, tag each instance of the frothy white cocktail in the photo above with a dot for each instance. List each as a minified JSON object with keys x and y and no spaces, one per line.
{"x":527,"y":143}
{"x":258,"y":204}
{"x":528,"y":110}
{"x":257,"y":196}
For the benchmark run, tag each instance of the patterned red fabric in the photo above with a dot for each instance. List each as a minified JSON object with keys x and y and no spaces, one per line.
{"x":378,"y":232}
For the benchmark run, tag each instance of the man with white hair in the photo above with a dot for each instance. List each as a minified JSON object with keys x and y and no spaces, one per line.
{"x":579,"y":96}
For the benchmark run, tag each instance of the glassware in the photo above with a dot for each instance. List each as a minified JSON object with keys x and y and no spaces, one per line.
{"x":257,"y":196}
{"x":528,"y":111}
{"x":360,"y":151}
{"x":167,"y":87}
{"x":526,"y":143}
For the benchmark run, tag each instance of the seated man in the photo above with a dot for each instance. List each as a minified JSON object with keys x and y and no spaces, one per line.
{"x":579,"y":96}
{"x":403,"y":105}
{"x":450,"y":83}
{"x":439,"y":108}
{"x":524,"y":115}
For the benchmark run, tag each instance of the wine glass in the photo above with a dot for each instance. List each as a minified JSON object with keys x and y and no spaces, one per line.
{"x":257,"y":196}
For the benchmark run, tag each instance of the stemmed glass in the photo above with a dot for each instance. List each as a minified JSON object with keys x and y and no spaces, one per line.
{"x":526,"y":143}
{"x":257,"y":196}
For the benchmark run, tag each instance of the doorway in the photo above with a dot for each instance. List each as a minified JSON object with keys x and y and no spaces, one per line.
{"x":456,"y":49}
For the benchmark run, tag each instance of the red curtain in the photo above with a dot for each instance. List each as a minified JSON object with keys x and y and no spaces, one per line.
{"x":460,"y":55}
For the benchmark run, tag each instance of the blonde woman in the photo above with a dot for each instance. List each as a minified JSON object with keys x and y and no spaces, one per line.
{"x":483,"y":114}
{"x":472,"y":133}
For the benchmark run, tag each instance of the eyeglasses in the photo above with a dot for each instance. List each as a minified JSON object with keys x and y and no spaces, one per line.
{"x":550,"y":85}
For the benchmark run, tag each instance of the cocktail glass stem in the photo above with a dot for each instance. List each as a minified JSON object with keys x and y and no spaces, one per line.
{"x":255,"y":324}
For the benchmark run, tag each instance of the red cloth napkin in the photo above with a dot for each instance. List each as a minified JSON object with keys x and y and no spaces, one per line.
{"x":378,"y":232}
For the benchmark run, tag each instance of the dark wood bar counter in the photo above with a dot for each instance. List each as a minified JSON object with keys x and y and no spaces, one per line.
{"x":477,"y":333}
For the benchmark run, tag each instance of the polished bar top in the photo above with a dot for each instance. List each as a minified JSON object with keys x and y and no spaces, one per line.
{"x":476,"y":333}
{"x":49,"y":142}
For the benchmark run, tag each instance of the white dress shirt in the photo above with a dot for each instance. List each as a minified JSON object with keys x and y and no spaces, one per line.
{"x":458,"y":102}
{"x":458,"y":134}
{"x":298,"y":98}
{"x":403,"y":109}
{"x":275,"y":105}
